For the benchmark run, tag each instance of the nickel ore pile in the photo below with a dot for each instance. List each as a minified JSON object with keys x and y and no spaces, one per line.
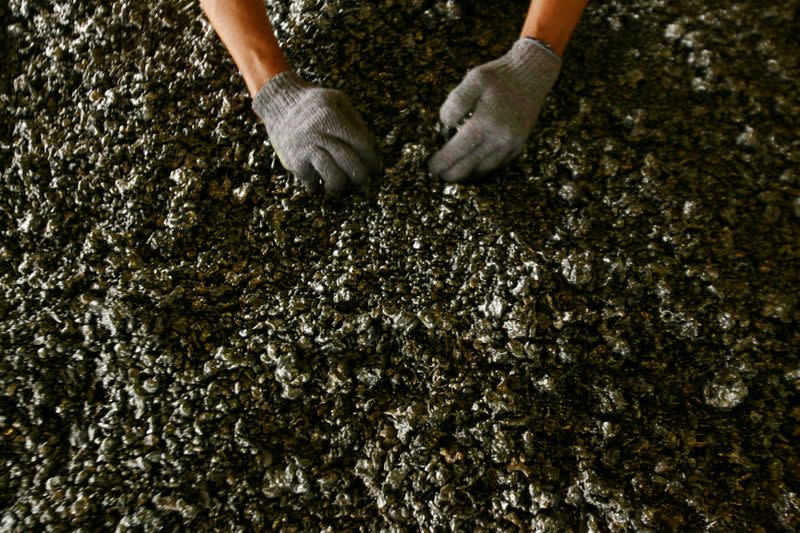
{"x":601,"y":336}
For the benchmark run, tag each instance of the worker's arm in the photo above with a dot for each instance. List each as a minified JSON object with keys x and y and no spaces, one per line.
{"x":316,"y":132}
{"x":505,"y":96}
{"x":553,"y":21}
{"x":243,"y":27}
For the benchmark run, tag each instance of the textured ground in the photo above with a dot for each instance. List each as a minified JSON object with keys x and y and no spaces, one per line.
{"x":602,"y":336}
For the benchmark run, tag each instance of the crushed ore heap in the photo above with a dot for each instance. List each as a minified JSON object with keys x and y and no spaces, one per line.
{"x":603,"y":335}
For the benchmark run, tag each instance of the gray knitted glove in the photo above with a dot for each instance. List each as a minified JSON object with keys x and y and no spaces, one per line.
{"x":505,"y":97}
{"x":317,"y":134}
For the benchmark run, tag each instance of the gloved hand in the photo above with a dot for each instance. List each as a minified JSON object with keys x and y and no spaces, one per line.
{"x":317,"y":134}
{"x":505,"y":97}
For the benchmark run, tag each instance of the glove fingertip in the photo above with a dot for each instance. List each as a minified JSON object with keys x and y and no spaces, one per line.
{"x":462,"y":99}
{"x":450,"y":114}
{"x":453,"y":176}
{"x":334,"y":192}
{"x":311,"y":183}
{"x":436,"y":164}
{"x":336,"y":185}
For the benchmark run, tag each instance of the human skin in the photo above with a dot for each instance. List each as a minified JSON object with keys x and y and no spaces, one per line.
{"x":553,"y":21}
{"x":243,"y":27}
{"x":497,"y":104}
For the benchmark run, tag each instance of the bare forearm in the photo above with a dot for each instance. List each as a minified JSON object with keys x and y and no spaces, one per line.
{"x":553,"y":21}
{"x":243,"y":27}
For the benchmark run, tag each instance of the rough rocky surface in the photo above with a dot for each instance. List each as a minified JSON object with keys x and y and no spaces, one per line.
{"x":602,"y":336}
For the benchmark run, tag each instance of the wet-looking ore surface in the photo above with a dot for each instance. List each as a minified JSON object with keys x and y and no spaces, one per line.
{"x":601,"y":336}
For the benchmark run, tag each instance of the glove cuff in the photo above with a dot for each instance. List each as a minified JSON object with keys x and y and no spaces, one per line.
{"x":278,"y":95}
{"x":535,"y":62}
